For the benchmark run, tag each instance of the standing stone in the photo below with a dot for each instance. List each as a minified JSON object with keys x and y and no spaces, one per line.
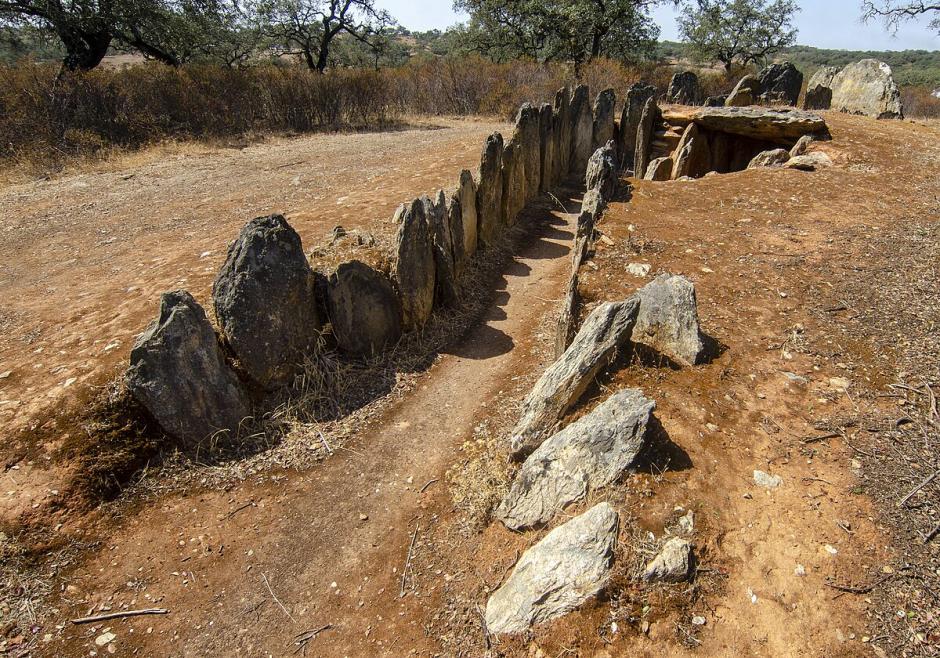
{"x":819,"y":89}
{"x":561,"y":386}
{"x":867,"y":87}
{"x":590,"y":453}
{"x":454,"y":214}
{"x":660,"y":169}
{"x":467,"y":200}
{"x":514,"y":180}
{"x":720,"y":144}
{"x":442,"y":242}
{"x":637,"y":96}
{"x":547,"y":147}
{"x":265,"y":303}
{"x":644,"y":136}
{"x":693,"y":155}
{"x":364,"y":309}
{"x":490,"y":218}
{"x":668,"y":320}
{"x":559,"y":574}
{"x":684,"y":89}
{"x":527,"y":135}
{"x":561,"y":118}
{"x":582,"y":131}
{"x":780,"y":83}
{"x":604,"y":106}
{"x":601,"y":172}
{"x":414,"y":266}
{"x":744,"y":93}
{"x":673,"y":564}
{"x":179,"y":375}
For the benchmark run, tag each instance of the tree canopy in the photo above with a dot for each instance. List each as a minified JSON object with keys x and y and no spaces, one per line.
{"x":895,"y":12}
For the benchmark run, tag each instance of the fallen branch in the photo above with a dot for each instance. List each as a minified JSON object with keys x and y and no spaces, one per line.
{"x":918,"y":488}
{"x":817,"y":439}
{"x":277,"y":600}
{"x":865,"y":589}
{"x":302,"y":639}
{"x":120,"y":615}
{"x":404,"y":571}
{"x":428,"y":484}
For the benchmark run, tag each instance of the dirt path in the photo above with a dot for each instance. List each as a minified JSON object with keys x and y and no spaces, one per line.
{"x":332,"y":542}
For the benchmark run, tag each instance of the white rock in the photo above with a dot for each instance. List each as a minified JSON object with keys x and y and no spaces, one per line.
{"x":640,"y":270}
{"x":766,"y":480}
{"x":673,"y":563}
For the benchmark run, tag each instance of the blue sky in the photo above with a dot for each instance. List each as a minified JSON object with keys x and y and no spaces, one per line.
{"x":822,"y":23}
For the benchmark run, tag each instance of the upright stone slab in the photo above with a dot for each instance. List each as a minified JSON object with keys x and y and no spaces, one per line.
{"x":179,"y":375}
{"x":454,"y":214}
{"x":668,"y":320}
{"x":415,"y":272}
{"x":744,"y":93}
{"x":684,"y":89}
{"x":660,"y":169}
{"x":442,"y":242}
{"x":530,"y":131}
{"x":582,"y":131}
{"x":604,"y":106}
{"x":644,"y":136}
{"x":867,"y":87}
{"x":561,"y":386}
{"x":547,"y":147}
{"x":693,"y":155}
{"x":819,"y":89}
{"x":514,"y":180}
{"x":467,"y":198}
{"x":561,"y":118}
{"x":601,"y":172}
{"x":721,"y":149}
{"x":490,"y":218}
{"x":590,"y":453}
{"x":637,"y":96}
{"x":559,"y":574}
{"x":780,"y":83}
{"x":364,"y":309}
{"x":265,"y":303}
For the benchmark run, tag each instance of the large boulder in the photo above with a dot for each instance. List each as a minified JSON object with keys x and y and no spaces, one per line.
{"x":693,"y":155}
{"x":179,"y":375}
{"x":561,"y":121}
{"x":762,"y":123}
{"x":604,"y":106}
{"x":637,"y":95}
{"x":867,"y":87}
{"x":684,"y":89}
{"x":414,"y":266}
{"x":772,"y":158}
{"x":649,"y":119}
{"x":490,"y":219}
{"x":442,"y":242}
{"x":547,"y":147}
{"x":558,"y":575}
{"x":667,"y":320}
{"x":364,"y":309}
{"x":601,"y":172}
{"x":264,"y":299}
{"x":819,"y":89}
{"x":744,"y":93}
{"x":467,"y":200}
{"x":660,"y":169}
{"x":582,"y":131}
{"x":780,"y":84}
{"x":527,"y":135}
{"x":514,"y":180}
{"x":590,"y":453}
{"x":561,"y":385}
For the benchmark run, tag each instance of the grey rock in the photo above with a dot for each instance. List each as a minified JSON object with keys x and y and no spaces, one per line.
{"x":265,"y":302}
{"x":469,"y":219}
{"x":716,"y":101}
{"x":809,"y":161}
{"x":660,"y":169}
{"x":561,"y":118}
{"x":442,"y":243}
{"x":514,"y":180}
{"x":179,"y":375}
{"x":772,"y":158}
{"x":604,"y":106}
{"x":744,"y":93}
{"x":649,"y":118}
{"x":637,"y":95}
{"x":364,"y":309}
{"x":867,"y":87}
{"x":770,"y":124}
{"x":414,"y":267}
{"x":819,"y":89}
{"x":823,"y":76}
{"x":801,"y":145}
{"x":780,"y":82}
{"x":559,"y":574}
{"x":684,"y":89}
{"x":547,"y":148}
{"x":668,"y":319}
{"x":582,"y":131}
{"x":562,"y":384}
{"x":602,"y":170}
{"x":592,"y":205}
{"x":588,"y":454}
{"x":766,"y":480}
{"x":693,"y":154}
{"x":490,"y":218}
{"x":673,"y":564}
{"x":527,"y":135}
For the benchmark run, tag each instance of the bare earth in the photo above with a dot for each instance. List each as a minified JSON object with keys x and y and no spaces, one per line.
{"x":247,"y":569}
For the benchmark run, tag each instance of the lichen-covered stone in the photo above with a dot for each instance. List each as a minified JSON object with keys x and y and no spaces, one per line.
{"x":364,"y":309}
{"x":604,"y":106}
{"x":582,"y":130}
{"x":667,"y":320}
{"x":414,"y":266}
{"x":867,"y":87}
{"x":490,"y":218}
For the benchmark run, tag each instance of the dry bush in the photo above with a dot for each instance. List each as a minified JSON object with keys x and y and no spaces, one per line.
{"x":920,"y":103}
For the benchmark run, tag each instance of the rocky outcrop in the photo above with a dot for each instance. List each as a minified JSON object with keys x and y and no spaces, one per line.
{"x":744,"y":93}
{"x":649,"y":118}
{"x":684,"y":89}
{"x":467,"y":201}
{"x":772,"y":158}
{"x":514,"y":180}
{"x":490,"y":218}
{"x":693,"y":154}
{"x":604,"y":106}
{"x":667,"y":320}
{"x":527,"y":136}
{"x":364,"y":309}
{"x":561,"y":386}
{"x":602,"y":171}
{"x":673,"y":564}
{"x":780,"y":84}
{"x":547,"y":147}
{"x":637,"y":95}
{"x":767,"y":124}
{"x":582,"y":130}
{"x":179,"y":375}
{"x":867,"y":87}
{"x":588,"y":454}
{"x":660,"y":169}
{"x":414,"y":268}
{"x":442,"y":244}
{"x":264,"y":301}
{"x":819,"y":89}
{"x":558,"y":575}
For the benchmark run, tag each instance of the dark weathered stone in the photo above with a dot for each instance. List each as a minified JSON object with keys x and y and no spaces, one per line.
{"x":527,"y":136}
{"x":637,"y":96}
{"x":684,"y":89}
{"x":644,"y":136}
{"x":715,"y":101}
{"x":867,"y":87}
{"x":265,"y":302}
{"x":414,"y":267}
{"x":602,"y":171}
{"x":561,"y":118}
{"x":490,"y":218}
{"x":604,"y":106}
{"x":179,"y":375}
{"x":720,"y":144}
{"x":819,"y":89}
{"x":582,"y":131}
{"x":364,"y":309}
{"x":514,"y":181}
{"x":442,"y":242}
{"x":547,"y":147}
{"x":467,"y":200}
{"x":780,"y":83}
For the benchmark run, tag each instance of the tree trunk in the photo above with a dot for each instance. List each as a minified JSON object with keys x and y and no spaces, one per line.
{"x":84,"y":50}
{"x":324,"y":54}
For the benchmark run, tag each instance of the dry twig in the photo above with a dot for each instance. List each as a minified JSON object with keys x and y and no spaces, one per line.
{"x":120,"y":615}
